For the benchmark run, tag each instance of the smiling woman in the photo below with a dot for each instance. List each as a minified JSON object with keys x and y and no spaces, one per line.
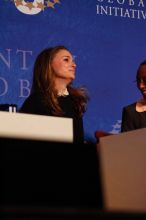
{"x":134,"y":115}
{"x":52,"y":92}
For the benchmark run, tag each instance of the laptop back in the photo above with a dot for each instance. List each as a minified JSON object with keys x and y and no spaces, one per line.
{"x":123,"y":171}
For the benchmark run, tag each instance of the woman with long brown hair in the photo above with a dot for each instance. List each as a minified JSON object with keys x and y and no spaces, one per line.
{"x":52,"y":92}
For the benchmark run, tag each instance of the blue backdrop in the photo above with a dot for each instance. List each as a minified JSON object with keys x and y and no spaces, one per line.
{"x":107,"y":37}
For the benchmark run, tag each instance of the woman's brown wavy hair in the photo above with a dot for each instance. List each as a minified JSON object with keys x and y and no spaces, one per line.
{"x":43,"y":83}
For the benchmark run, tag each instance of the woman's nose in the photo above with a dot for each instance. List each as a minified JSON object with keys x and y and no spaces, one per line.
{"x":141,"y":84}
{"x":73,"y":63}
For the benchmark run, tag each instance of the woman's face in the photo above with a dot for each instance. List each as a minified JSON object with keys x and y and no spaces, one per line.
{"x":63,"y":65}
{"x":141,"y":80}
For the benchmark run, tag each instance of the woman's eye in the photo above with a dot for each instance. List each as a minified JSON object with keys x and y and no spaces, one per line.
{"x":143,"y":80}
{"x":66,"y":59}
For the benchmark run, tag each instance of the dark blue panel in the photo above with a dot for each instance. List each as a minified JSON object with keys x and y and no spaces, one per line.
{"x":107,"y":37}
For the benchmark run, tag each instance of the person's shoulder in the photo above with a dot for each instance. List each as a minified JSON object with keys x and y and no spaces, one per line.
{"x":29,"y":103}
{"x":130,"y":107}
{"x":33,"y":97}
{"x":30,"y":98}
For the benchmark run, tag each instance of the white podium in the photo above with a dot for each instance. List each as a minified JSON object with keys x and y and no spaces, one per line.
{"x":123,"y":171}
{"x":36,"y":127}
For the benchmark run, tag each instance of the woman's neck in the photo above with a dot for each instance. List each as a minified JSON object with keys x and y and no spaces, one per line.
{"x":61,"y":87}
{"x":141,"y":105}
{"x":61,"y":84}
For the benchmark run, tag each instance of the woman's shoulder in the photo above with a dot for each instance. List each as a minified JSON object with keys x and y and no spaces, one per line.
{"x":29,"y":103}
{"x":31,"y":99}
{"x":130,"y":106}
